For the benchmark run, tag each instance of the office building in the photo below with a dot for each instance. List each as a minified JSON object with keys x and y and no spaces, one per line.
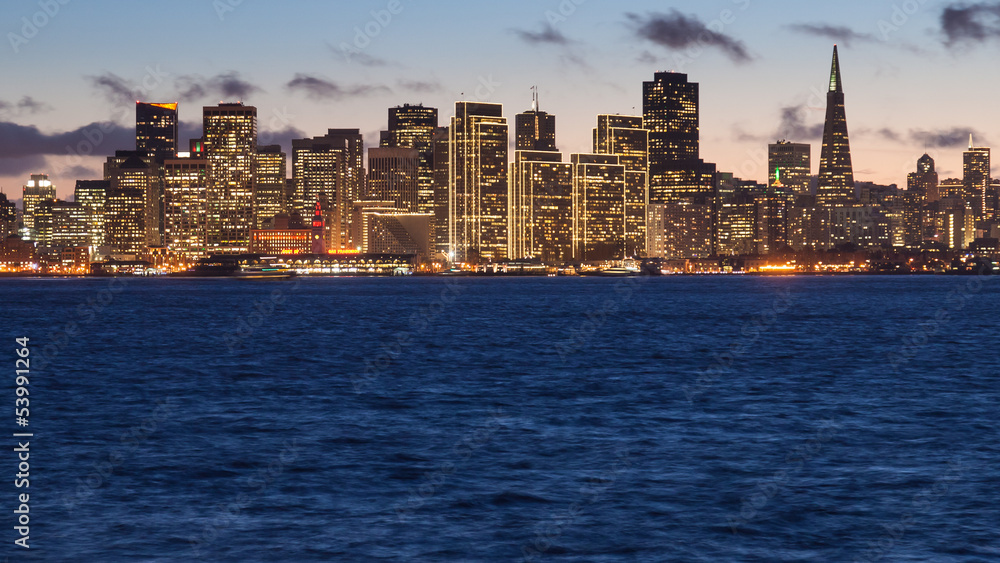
{"x":976,"y":179}
{"x":269,"y":194}
{"x":794,"y":162}
{"x":37,"y":190}
{"x":412,"y":127}
{"x":393,"y":175}
{"x":598,"y":207}
{"x":477,"y":183}
{"x":541,"y":210}
{"x":186,"y":190}
{"x":625,"y":136}
{"x":835,"y":186}
{"x":230,"y":146}
{"x":156,"y":130}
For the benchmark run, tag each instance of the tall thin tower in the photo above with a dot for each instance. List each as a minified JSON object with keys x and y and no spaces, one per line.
{"x":836,"y":174}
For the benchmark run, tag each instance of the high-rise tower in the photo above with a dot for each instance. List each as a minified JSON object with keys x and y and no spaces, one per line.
{"x":477,"y":183}
{"x":231,"y":149}
{"x":976,"y":178}
{"x":836,"y":174}
{"x":156,"y":129}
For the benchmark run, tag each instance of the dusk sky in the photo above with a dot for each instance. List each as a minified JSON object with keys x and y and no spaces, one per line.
{"x":918,"y":75}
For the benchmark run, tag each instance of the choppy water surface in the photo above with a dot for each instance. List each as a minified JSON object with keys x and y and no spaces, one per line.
{"x":668,"y":419}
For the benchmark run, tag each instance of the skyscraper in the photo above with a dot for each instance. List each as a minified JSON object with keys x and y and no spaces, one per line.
{"x":393,"y":176}
{"x":319,"y":168}
{"x":670,"y":112}
{"x":976,"y":178}
{"x":412,"y":127}
{"x":231,"y":148}
{"x":477,"y":183}
{"x":625,"y":136}
{"x":794,"y":160}
{"x":8,"y":217}
{"x":535,"y":130}
{"x":186,"y":206}
{"x":836,"y":174}
{"x":37,"y":190}
{"x":156,"y":130}
{"x":541,"y":206}
{"x":272,"y":170}
{"x":439,"y":226}
{"x":921,"y":189}
{"x":92,"y":195}
{"x":598,"y":207}
{"x":130,"y":224}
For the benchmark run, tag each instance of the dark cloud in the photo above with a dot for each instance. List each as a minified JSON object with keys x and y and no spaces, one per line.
{"x":230,"y":85}
{"x":838,"y":33}
{"x":281,"y":137}
{"x":678,"y":31}
{"x":32,"y":164}
{"x":25,"y":106}
{"x":794,"y":127}
{"x":972,"y":23}
{"x":420,"y":86}
{"x":82,"y":173}
{"x":323,"y":89}
{"x":351,"y":55}
{"x":20,"y":141}
{"x":548,"y":35}
{"x":947,"y":138}
{"x":114,"y":88}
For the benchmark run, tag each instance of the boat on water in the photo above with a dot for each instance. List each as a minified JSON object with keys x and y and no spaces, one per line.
{"x":263,"y":272}
{"x":615,"y":272}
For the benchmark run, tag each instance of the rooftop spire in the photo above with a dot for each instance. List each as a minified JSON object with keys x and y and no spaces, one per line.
{"x":971,"y":144}
{"x":836,"y":85}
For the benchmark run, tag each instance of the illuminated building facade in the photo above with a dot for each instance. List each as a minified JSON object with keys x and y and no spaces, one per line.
{"x":352,"y":142}
{"x":186,"y":206}
{"x":686,"y":230}
{"x":92,"y":195}
{"x":319,"y":168}
{"x":794,"y":160}
{"x":412,"y":127}
{"x":976,"y":179}
{"x":230,"y":146}
{"x":598,"y":207}
{"x":317,"y":238}
{"x":477,"y":182}
{"x":269,"y":195}
{"x":625,"y":136}
{"x":670,"y":111}
{"x":8,"y":217}
{"x":37,"y":190}
{"x":738,"y":226}
{"x":393,"y":175}
{"x":137,"y":170}
{"x":921,"y":189}
{"x":281,"y":241}
{"x":398,"y":233}
{"x":535,"y":130}
{"x":835,"y":185}
{"x":360,"y":215}
{"x":440,"y":141}
{"x":63,"y":223}
{"x":156,"y":130}
{"x":541,"y":207}
{"x":125,"y":218}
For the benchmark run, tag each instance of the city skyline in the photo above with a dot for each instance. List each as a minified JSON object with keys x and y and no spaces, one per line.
{"x":754,"y":90}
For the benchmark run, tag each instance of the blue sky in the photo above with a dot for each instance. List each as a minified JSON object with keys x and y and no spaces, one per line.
{"x":917,"y":74}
